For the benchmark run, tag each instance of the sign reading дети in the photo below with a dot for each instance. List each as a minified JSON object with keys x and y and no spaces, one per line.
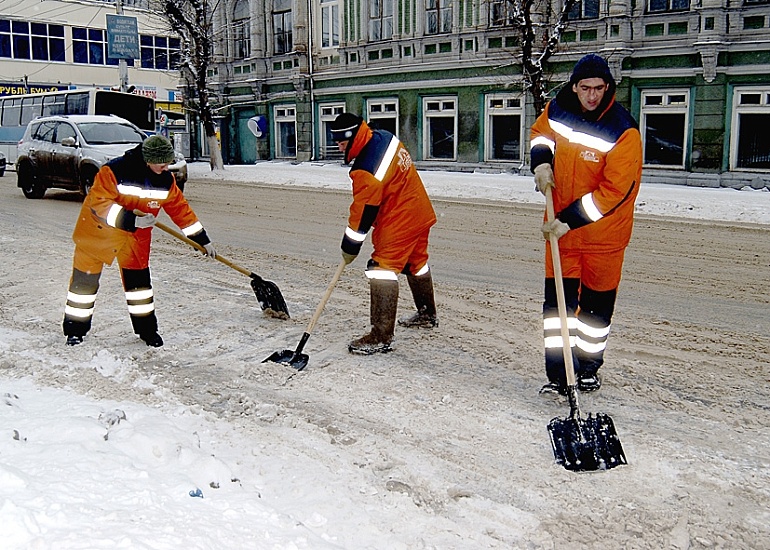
{"x":122,"y":37}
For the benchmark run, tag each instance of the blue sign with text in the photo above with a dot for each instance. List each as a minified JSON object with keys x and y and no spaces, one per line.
{"x":122,"y":37}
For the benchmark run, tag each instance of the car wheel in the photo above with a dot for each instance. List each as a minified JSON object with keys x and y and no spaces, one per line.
{"x":31,"y":188}
{"x":2,"y":171}
{"x":87,"y":181}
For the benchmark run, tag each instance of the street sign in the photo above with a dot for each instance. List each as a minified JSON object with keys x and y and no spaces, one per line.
{"x":122,"y":37}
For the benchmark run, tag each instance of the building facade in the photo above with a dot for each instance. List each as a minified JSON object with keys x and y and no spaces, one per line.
{"x":50,"y":45}
{"x":444,"y":75}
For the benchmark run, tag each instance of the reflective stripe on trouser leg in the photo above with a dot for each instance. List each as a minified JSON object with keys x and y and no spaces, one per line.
{"x":554,"y":349}
{"x":140,"y":300}
{"x":81,"y":297}
{"x":593,"y":327}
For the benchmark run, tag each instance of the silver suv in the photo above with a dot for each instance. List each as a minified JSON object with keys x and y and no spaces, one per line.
{"x":66,"y":152}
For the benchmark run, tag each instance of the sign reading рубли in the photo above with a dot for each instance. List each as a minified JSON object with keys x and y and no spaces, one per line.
{"x":122,"y":37}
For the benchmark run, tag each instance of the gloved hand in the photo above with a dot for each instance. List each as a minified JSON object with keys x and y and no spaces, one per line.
{"x":210,"y":251}
{"x":543,"y":177}
{"x":348,"y":257}
{"x":557,"y":228}
{"x":148,"y":220}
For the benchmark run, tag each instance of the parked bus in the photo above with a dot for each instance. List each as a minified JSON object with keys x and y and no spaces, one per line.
{"x":17,"y":111}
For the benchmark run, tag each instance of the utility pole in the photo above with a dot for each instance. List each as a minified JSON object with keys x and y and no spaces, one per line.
{"x":122,"y":64}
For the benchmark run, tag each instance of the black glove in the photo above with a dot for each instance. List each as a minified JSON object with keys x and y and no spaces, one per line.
{"x":348,"y":257}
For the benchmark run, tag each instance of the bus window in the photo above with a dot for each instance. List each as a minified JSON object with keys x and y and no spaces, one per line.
{"x":11,"y":111}
{"x":53,"y":105}
{"x":31,"y":107}
{"x":135,"y":108}
{"x":77,"y":104}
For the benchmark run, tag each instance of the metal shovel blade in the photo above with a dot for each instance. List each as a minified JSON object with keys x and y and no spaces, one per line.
{"x":269,"y":297}
{"x":296,"y":360}
{"x":586,"y":444}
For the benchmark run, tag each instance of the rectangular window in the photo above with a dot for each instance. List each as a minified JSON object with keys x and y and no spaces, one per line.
{"x":504,"y":127}
{"x":383,"y":114}
{"x":749,"y":146}
{"x":501,"y":14}
{"x":664,"y":126}
{"x":47,"y":42}
{"x":439,"y":128}
{"x":89,"y":46}
{"x":285,"y":118}
{"x":35,"y":41}
{"x":241,"y":39}
{"x":159,"y":52}
{"x":438,"y":16}
{"x":659,"y":6}
{"x":754,"y":22}
{"x":329,"y":111}
{"x":380,"y":20}
{"x":330,"y":24}
{"x":283,"y":26}
{"x":584,"y":9}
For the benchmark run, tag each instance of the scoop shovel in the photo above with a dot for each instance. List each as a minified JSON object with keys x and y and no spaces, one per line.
{"x":296,"y":358}
{"x":579,"y":444}
{"x":268,"y":295}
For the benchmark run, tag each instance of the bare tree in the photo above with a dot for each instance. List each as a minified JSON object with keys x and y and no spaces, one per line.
{"x":540,"y":38}
{"x":191,"y":20}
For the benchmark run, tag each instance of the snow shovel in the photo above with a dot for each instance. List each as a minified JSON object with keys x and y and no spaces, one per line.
{"x":268,"y":295}
{"x":296,"y":358}
{"x":579,"y":444}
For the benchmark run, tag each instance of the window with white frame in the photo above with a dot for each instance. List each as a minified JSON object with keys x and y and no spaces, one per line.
{"x":241,"y":30}
{"x":439,"y":127}
{"x":501,"y":13}
{"x":159,"y":52}
{"x":283,"y":25}
{"x":328,"y":112}
{"x":660,"y":6}
{"x":90,"y":46}
{"x":330,"y":23}
{"x":438,"y":16}
{"x":285,"y":121}
{"x":585,"y":9}
{"x":382,"y":114}
{"x":380,"y":20}
{"x":25,"y":40}
{"x":504,"y":122}
{"x":749,"y":146}
{"x":664,"y":127}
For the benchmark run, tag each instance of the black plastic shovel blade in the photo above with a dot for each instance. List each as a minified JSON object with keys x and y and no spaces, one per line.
{"x":269,"y":297}
{"x":296,"y":360}
{"x":587,"y":444}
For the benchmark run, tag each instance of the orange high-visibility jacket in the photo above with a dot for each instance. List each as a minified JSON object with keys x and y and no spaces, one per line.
{"x":388,"y":193}
{"x":597,"y":167}
{"x":106,"y":222}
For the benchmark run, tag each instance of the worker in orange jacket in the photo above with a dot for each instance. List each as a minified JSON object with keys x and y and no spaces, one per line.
{"x":388,"y":196}
{"x":588,"y":149}
{"x":116,"y":221}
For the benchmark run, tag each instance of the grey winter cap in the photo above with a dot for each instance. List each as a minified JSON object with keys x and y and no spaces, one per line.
{"x":157,"y":150}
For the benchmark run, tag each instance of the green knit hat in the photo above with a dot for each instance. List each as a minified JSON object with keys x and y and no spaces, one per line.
{"x":157,"y":150}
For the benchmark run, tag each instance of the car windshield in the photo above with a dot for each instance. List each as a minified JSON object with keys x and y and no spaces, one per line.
{"x":99,"y":133}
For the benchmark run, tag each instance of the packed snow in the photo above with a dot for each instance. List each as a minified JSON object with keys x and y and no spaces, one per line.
{"x":84,"y":473}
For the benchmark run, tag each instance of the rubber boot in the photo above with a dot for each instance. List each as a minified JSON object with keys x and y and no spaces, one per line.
{"x":422,"y":292}
{"x":384,"y":301}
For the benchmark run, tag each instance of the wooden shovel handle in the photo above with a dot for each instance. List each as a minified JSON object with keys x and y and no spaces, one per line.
{"x":327,"y":294}
{"x":195,"y":245}
{"x":569,"y":366}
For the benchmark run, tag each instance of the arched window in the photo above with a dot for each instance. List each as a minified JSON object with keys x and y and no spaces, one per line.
{"x":241,"y":30}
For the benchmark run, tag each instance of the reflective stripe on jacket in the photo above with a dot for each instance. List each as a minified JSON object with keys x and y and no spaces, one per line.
{"x":388,"y":193}
{"x":597,"y":166}
{"x":106,"y":221}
